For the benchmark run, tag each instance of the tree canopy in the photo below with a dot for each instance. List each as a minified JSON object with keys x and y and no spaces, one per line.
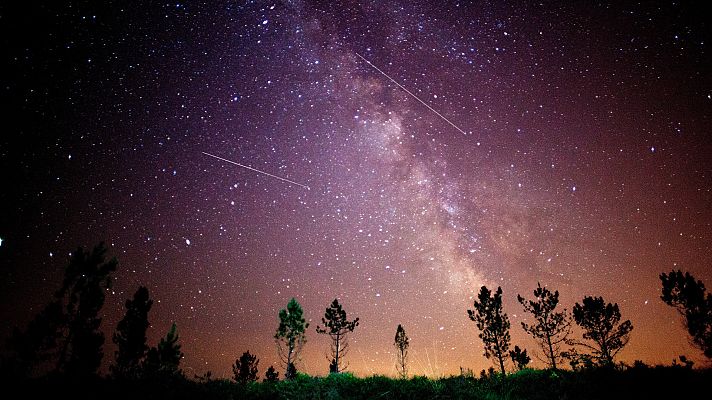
{"x":602,"y":327}
{"x":551,"y":327}
{"x":690,"y":298}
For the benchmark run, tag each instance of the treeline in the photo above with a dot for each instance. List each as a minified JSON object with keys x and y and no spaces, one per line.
{"x":65,"y":338}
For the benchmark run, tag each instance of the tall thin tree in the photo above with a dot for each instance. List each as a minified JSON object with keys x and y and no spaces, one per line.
{"x":493,"y":324}
{"x":291,"y":336}
{"x":402,"y":342}
{"x":86,"y":280}
{"x":337,"y":326}
{"x":551,"y":327}
{"x":130,"y":336}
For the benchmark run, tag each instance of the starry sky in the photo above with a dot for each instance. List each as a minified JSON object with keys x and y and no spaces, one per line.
{"x":572,"y":148}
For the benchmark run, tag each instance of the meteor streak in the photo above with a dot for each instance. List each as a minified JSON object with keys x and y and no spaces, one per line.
{"x":256,"y":170}
{"x":412,"y":95}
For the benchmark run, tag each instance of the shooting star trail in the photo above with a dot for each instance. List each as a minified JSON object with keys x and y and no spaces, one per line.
{"x":412,"y":95}
{"x":257,"y":170}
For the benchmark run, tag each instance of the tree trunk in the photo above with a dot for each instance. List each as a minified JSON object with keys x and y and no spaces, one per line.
{"x":288,"y":372}
{"x":336,"y":358}
{"x":500,"y":356}
{"x":551,"y":351}
{"x":605,"y":352}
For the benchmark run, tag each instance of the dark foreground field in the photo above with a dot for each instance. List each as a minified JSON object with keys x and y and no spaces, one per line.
{"x":634,"y":383}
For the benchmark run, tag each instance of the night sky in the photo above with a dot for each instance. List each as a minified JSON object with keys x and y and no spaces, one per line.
{"x":585,"y":164}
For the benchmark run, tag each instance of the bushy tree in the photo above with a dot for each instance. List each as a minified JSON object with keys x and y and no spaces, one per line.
{"x":164,"y":359}
{"x":337,"y":326}
{"x":551,"y":327}
{"x":67,"y":332}
{"x":402,"y":342}
{"x":271,"y":375}
{"x":291,"y":336}
{"x":130,"y":336}
{"x":493,"y":324}
{"x":602,"y":327}
{"x":245,"y":368}
{"x":691,"y":300}
{"x":519,"y":357}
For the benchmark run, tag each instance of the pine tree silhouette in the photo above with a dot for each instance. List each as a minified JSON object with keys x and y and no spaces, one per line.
{"x":402,"y":342}
{"x":164,"y":359}
{"x":493,"y":324}
{"x":130,"y":336}
{"x":85,"y":282}
{"x":601,"y":324}
{"x":271,"y":375}
{"x":290,"y":336}
{"x":337,"y":327}
{"x":245,"y":368}
{"x":520,"y":357}
{"x":552,"y":327}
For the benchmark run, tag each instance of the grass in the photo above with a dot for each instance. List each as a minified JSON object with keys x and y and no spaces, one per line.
{"x":632,"y":383}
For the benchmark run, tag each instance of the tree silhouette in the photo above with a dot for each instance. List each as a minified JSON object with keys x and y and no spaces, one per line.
{"x":601,"y":325}
{"x":85,"y":281}
{"x":402,"y":342}
{"x":290,"y":336}
{"x":271,"y":375}
{"x":164,"y":359}
{"x":67,"y":332}
{"x":493,"y":324}
{"x":684,"y":362}
{"x":337,"y":327}
{"x":130,"y":336}
{"x":519,"y":357}
{"x":245,"y":368}
{"x":690,"y":298}
{"x":205,"y":378}
{"x":551,"y":328}
{"x":578,"y":361}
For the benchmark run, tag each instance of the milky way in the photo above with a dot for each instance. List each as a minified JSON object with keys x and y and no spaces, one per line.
{"x":572,"y":149}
